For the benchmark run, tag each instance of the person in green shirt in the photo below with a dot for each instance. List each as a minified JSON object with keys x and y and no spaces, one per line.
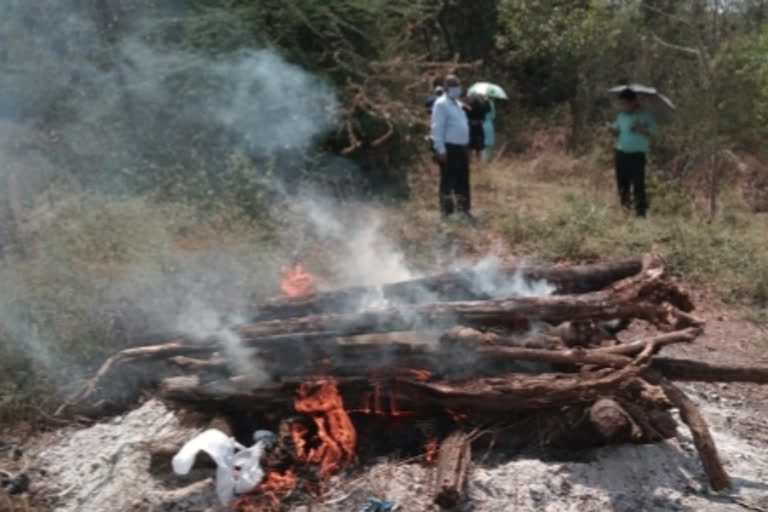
{"x":633,"y":128}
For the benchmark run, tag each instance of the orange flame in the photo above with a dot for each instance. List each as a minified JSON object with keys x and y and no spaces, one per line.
{"x":430,"y":454}
{"x":335,"y":432}
{"x":274,"y":483}
{"x":417,"y":373}
{"x":374,"y":403}
{"x":297,"y":282}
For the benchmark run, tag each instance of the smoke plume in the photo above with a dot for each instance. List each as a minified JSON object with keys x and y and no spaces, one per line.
{"x":92,"y":111}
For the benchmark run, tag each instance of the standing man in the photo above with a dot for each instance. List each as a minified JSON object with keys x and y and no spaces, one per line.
{"x":633,"y":128}
{"x":450,"y":138}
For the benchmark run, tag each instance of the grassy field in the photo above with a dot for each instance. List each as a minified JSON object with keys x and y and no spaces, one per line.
{"x":558,"y":207}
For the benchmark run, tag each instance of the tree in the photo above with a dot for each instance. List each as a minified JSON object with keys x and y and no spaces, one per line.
{"x":560,"y":51}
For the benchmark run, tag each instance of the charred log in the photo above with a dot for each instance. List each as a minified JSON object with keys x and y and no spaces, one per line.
{"x":152,"y":352}
{"x":517,"y":392}
{"x":453,"y":462}
{"x":450,"y":286}
{"x":655,"y":424}
{"x":515,"y":313}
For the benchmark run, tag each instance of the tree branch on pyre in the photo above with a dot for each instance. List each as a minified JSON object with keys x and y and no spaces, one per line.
{"x":553,"y":361}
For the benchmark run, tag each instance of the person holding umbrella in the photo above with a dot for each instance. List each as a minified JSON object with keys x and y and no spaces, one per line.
{"x":491,"y":92}
{"x":634,"y":127}
{"x":477,"y":110}
{"x":489,"y":130}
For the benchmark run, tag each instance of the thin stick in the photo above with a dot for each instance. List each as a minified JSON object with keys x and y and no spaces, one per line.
{"x":170,"y":349}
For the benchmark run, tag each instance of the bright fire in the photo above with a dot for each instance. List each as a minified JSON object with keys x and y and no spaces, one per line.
{"x":430,"y":454}
{"x":330,"y":448}
{"x":297,"y":282}
{"x":275,"y":483}
{"x":336,"y":435}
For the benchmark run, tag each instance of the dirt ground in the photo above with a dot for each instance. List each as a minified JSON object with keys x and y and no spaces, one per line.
{"x":108,"y":467}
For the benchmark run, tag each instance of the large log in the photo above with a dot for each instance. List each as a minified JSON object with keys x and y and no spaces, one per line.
{"x":517,"y":391}
{"x":452,"y":286}
{"x":516,"y":313}
{"x":455,"y":360}
{"x":696,"y":371}
{"x":493,"y":394}
{"x":453,"y":462}
{"x":448,"y":360}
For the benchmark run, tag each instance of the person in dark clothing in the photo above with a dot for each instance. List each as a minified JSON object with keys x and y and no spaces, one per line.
{"x":477,"y":110}
{"x":450,"y":137}
{"x":633,"y":128}
{"x":430,"y":101}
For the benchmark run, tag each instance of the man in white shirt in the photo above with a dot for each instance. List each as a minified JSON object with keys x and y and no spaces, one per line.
{"x":450,"y":138}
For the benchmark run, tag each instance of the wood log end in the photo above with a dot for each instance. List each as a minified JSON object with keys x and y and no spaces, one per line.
{"x":613,"y":423}
{"x":453,"y":461}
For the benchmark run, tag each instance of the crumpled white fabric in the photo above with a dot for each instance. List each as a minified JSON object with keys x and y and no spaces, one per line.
{"x":229,"y":456}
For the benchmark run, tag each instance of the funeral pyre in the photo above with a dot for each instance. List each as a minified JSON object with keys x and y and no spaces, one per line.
{"x":437,"y":368}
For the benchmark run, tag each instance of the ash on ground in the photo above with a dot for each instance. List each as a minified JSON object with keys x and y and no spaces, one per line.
{"x":110,"y":466}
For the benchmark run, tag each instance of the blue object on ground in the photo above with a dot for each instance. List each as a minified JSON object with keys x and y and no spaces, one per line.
{"x":378,"y":505}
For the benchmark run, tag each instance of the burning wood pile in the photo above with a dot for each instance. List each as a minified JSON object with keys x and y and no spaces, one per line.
{"x":438,"y":367}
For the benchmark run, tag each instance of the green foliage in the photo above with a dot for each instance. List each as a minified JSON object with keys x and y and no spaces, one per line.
{"x":565,"y":52}
{"x":741,"y":74}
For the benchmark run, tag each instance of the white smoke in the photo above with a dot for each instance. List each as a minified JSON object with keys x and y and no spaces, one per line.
{"x":270,"y":103}
{"x":254,"y":98}
{"x":490,"y":279}
{"x":364,"y":254}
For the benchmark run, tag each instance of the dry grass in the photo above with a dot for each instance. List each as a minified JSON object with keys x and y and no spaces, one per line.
{"x":558,"y":207}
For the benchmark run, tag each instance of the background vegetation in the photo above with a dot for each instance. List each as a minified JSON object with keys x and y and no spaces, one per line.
{"x":122,"y":207}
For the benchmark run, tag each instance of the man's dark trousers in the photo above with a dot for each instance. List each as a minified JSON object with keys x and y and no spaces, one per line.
{"x":630,"y":178}
{"x":454,"y":180}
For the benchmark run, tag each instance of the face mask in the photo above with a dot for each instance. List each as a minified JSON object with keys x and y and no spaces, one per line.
{"x":454,"y":92}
